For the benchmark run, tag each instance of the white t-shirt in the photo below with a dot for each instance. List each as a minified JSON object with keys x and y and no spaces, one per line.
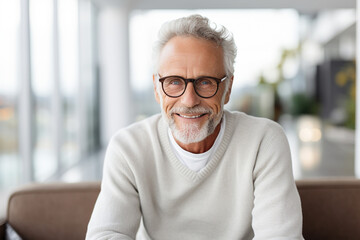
{"x":194,"y":161}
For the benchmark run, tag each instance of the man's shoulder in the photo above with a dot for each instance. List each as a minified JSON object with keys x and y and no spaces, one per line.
{"x":136,"y":143}
{"x":142,"y":129}
{"x":241,"y":118}
{"x":244,"y":122}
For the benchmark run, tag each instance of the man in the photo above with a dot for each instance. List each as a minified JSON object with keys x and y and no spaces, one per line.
{"x":197,"y":171}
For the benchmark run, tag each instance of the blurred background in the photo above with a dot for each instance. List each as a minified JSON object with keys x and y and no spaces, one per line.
{"x":72,"y":72}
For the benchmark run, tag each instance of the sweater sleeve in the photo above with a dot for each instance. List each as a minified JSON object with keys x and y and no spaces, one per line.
{"x":116,"y":214}
{"x":277,"y":208}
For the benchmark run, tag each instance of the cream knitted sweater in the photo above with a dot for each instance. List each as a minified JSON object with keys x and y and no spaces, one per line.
{"x":246,"y":190}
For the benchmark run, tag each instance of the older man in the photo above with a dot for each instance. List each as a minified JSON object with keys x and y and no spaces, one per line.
{"x":197,"y":171}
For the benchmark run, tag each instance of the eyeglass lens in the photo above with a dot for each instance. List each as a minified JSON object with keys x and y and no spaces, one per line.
{"x":175,"y":86}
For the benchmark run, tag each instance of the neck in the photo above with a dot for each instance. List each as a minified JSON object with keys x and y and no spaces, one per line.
{"x":204,"y":145}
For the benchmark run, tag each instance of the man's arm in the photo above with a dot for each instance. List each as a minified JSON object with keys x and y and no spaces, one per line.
{"x":116,"y":214}
{"x":277,"y":208}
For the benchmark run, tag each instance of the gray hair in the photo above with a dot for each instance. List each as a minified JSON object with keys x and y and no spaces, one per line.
{"x":199,"y":27}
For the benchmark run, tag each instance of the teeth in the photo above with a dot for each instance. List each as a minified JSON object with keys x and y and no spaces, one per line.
{"x":184,"y":116}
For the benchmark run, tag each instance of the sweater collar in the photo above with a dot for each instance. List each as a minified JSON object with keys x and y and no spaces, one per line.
{"x":213,"y":161}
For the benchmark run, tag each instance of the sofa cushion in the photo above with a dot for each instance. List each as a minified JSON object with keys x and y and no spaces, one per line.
{"x":52,"y":211}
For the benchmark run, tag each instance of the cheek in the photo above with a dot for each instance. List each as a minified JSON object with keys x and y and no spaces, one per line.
{"x":167,"y":103}
{"x":217,"y":107}
{"x":216,"y":104}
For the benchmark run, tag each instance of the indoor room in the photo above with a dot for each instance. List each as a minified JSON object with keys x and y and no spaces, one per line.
{"x":75,"y":72}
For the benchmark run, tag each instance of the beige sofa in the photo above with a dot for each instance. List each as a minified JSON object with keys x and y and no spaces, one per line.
{"x":331,"y":210}
{"x":51,"y":211}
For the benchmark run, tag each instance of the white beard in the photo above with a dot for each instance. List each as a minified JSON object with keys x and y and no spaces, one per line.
{"x":193,"y":132}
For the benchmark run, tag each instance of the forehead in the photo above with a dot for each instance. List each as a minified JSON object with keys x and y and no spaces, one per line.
{"x":191,"y":55}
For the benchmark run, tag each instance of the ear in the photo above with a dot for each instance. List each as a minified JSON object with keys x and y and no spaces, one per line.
{"x":227,"y":97}
{"x":157,"y":97}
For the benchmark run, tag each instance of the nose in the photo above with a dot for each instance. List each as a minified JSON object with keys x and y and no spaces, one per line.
{"x":190,"y":98}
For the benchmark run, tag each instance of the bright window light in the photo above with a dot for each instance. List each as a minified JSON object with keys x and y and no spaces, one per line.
{"x":260,"y":36}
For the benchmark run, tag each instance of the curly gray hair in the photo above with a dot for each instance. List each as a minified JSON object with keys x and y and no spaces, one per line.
{"x":199,"y":27}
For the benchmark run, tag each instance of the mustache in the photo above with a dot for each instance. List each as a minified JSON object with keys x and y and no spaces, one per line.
{"x":192,"y":110}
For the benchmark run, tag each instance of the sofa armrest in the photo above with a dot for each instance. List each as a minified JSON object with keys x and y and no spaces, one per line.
{"x":59,"y":210}
{"x":330,"y":208}
{"x":2,"y":229}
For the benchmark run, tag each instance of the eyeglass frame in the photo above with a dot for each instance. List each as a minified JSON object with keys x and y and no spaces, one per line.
{"x":192,"y":80}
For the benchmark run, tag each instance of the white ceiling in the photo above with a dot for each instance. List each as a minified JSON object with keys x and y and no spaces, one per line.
{"x":301,"y":5}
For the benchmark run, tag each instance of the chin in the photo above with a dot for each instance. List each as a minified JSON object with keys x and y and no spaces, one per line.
{"x":190,"y":133}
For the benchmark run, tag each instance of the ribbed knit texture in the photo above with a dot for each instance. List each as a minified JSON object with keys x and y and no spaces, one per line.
{"x":246,"y":190}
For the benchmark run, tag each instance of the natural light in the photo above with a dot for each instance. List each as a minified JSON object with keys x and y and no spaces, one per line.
{"x":260,"y":36}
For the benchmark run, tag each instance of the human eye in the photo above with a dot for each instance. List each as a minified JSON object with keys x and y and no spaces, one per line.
{"x":205,"y":82}
{"x":174,"y":81}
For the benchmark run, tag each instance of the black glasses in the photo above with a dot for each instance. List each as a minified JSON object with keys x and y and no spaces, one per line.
{"x":205,"y":87}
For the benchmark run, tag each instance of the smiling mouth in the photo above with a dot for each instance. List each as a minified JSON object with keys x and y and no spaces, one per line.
{"x":191,"y":116}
